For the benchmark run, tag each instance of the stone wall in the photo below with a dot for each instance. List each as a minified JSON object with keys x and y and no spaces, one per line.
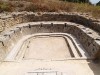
{"x":84,"y":28}
{"x":12,"y":19}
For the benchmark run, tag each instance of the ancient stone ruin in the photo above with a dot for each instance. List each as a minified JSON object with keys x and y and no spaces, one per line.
{"x":48,"y":37}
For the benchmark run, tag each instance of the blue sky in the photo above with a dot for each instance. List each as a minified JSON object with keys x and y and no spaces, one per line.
{"x":94,"y":1}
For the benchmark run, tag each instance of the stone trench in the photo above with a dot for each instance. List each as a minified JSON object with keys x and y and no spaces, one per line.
{"x":49,"y":43}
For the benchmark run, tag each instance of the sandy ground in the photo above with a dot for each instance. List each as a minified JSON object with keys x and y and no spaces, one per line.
{"x":70,"y":67}
{"x":53,"y":48}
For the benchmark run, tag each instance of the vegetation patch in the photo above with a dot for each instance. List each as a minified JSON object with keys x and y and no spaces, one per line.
{"x":5,"y":6}
{"x":51,"y":6}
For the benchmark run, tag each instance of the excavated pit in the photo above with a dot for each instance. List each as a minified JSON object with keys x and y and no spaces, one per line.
{"x":51,"y":47}
{"x":46,"y":42}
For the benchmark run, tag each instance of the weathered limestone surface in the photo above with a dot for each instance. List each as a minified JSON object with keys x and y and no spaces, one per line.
{"x":85,"y":28}
{"x":8,"y":20}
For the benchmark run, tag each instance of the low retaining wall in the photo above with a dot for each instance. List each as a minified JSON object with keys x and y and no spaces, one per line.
{"x":6,"y":21}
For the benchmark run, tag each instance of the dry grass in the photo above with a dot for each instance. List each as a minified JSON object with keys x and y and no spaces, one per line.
{"x":86,"y":8}
{"x":57,"y":6}
{"x":49,"y":6}
{"x":4,"y":6}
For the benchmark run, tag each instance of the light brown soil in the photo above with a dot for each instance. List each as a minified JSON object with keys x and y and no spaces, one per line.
{"x":48,"y":48}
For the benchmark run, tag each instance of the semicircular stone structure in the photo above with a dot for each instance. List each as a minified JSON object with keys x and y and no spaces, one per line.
{"x":49,"y":43}
{"x":49,"y":36}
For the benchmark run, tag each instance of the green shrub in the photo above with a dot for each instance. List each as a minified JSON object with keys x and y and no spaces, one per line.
{"x":4,"y":6}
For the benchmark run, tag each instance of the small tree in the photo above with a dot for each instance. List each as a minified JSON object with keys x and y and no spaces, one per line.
{"x":78,"y":1}
{"x":98,"y":4}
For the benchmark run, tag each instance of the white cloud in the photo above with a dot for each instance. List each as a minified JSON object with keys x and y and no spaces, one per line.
{"x":94,"y":1}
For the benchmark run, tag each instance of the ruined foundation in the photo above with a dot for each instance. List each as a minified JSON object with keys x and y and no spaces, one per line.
{"x":49,"y":43}
{"x":85,"y":29}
